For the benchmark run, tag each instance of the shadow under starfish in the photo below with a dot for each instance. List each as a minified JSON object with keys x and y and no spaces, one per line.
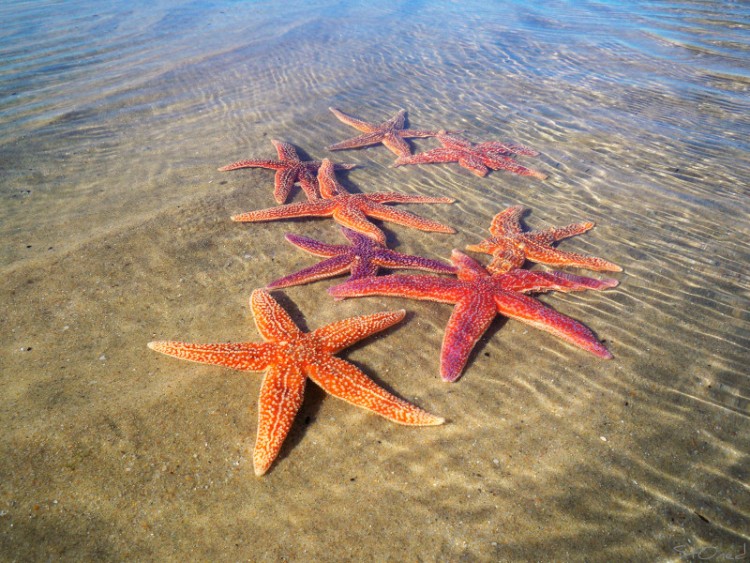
{"x":362,"y":258}
{"x":352,"y":210}
{"x":510,"y":246}
{"x":479,"y":297}
{"x":289,"y":357}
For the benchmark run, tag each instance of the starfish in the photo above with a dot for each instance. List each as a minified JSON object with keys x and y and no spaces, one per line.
{"x":510,"y":247}
{"x":352,"y":210}
{"x":289,"y":170}
{"x":479,"y":297}
{"x":479,"y":158}
{"x":391,"y":133}
{"x":289,"y":357}
{"x":362,"y":258}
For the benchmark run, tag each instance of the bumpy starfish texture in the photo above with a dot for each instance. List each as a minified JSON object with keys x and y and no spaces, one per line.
{"x":288,"y":358}
{"x":478,"y":298}
{"x":352,"y":210}
{"x":289,"y":170}
{"x":479,"y":158}
{"x":362,"y":258}
{"x":391,"y":133}
{"x":510,"y":246}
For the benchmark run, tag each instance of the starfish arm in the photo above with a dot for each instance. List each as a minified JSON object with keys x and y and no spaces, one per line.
{"x":283,"y":183}
{"x":473,"y":164}
{"x":506,"y":258}
{"x":354,"y":219}
{"x":244,"y":356}
{"x":353,"y":121}
{"x":468,"y":268}
{"x":317,"y":208}
{"x":325,"y":269}
{"x":345,"y":381}
{"x":358,"y":142}
{"x":339,"y":335}
{"x":344,"y":166}
{"x":553,"y":234}
{"x":430,"y":288}
{"x":397,"y":121}
{"x":316,"y":247}
{"x":507,"y":222}
{"x":469,"y":321}
{"x":497,"y":162}
{"x":285,"y":151}
{"x":309,"y":184}
{"x":391,"y":259}
{"x":405,"y":218}
{"x":411,"y":133}
{"x":327,"y":183}
{"x":396,"y":144}
{"x":273,"y":322}
{"x":555,"y":257}
{"x":507,"y":148}
{"x":280,"y":398}
{"x":527,"y":281}
{"x":453,"y":141}
{"x":272,"y":164}
{"x":438,"y":155}
{"x":391,"y":197}
{"x":534,"y":313}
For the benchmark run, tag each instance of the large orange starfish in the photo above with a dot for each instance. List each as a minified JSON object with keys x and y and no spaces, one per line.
{"x":391,"y":133}
{"x":479,"y":158}
{"x":352,"y":210}
{"x":479,"y":297}
{"x":289,"y":357}
{"x":510,"y":246}
{"x":289,"y":169}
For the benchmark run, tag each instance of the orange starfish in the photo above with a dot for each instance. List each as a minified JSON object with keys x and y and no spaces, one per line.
{"x":289,"y":357}
{"x":479,"y":158}
{"x":478,"y":298}
{"x":352,"y":210}
{"x":391,"y":133}
{"x":510,"y":247}
{"x":289,"y":170}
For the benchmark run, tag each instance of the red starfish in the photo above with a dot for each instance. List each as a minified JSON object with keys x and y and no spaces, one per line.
{"x":289,"y":169}
{"x":479,"y":297}
{"x":510,"y":247}
{"x":362,"y":258}
{"x":291,"y":356}
{"x":352,"y":210}
{"x":391,"y":133}
{"x":478,"y":158}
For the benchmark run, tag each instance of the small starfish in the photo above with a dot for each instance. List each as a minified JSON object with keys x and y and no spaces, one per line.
{"x":479,"y":297}
{"x":352,"y":210}
{"x":362,"y":258}
{"x":479,"y":158}
{"x":510,"y":247}
{"x":289,"y":170}
{"x":289,"y":357}
{"x":391,"y":133}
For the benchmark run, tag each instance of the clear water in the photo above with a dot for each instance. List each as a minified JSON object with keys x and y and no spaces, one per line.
{"x":115,"y":230}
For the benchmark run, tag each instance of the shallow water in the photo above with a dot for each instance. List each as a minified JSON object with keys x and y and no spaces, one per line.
{"x":116,"y":232}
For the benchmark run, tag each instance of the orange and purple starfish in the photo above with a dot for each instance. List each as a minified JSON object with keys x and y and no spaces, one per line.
{"x":391,"y":133}
{"x":352,"y":210}
{"x":289,"y":170}
{"x":510,"y":246}
{"x":478,"y":158}
{"x":362,"y":258}
{"x":289,"y":358}
{"x":479,"y":297}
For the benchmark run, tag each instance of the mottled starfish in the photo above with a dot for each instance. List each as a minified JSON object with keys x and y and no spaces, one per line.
{"x":391,"y":133}
{"x":352,"y":210}
{"x":288,"y":358}
{"x":479,"y":297}
{"x":478,"y":158}
{"x":510,"y":246}
{"x":289,"y":170}
{"x":362,"y":258}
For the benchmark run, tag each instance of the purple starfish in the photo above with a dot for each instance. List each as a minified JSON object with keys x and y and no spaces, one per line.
{"x":362,"y":258}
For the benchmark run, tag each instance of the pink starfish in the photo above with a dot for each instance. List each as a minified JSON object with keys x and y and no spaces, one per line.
{"x":510,"y":246}
{"x":479,"y":158}
{"x":391,"y":133}
{"x":289,"y":170}
{"x":362,"y":258}
{"x":479,"y":297}
{"x":352,"y":210}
